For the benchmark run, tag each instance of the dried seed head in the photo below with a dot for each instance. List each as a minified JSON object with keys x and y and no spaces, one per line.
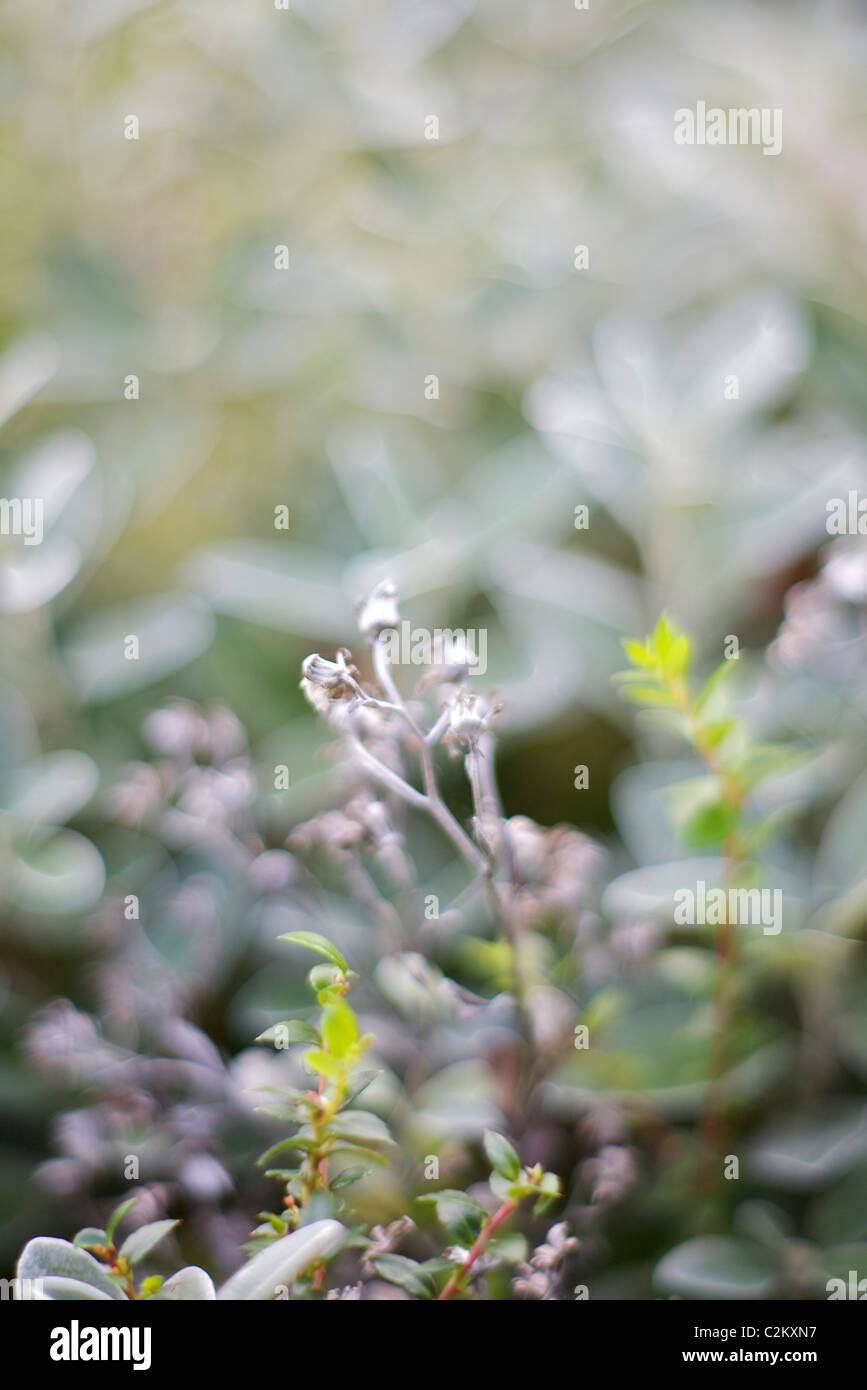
{"x":384,"y":1239}
{"x":613,"y":1173}
{"x":323,"y":681}
{"x":138,"y":795}
{"x":529,"y":843}
{"x":456,"y":661}
{"x":539,"y":1276}
{"x":469,"y":717}
{"x":532,"y":1285}
{"x":557,"y":1245}
{"x":379,"y":610}
{"x":176,"y":730}
{"x":846,"y":572}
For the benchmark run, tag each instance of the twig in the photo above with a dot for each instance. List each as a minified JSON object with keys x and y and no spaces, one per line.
{"x":457,"y":1280}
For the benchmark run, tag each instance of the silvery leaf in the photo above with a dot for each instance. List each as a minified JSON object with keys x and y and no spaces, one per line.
{"x":189,"y":1284}
{"x":281,"y":1262}
{"x":57,"y":1287}
{"x":45,"y":1256}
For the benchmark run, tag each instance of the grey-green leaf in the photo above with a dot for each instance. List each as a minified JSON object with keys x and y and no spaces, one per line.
{"x":293,"y":1030}
{"x":91,"y":1235}
{"x":45,"y":1256}
{"x":54,"y":1286}
{"x":361,"y":1126}
{"x":281,"y":1262}
{"x":717,"y":1267}
{"x":188,"y":1285}
{"x":138,"y":1245}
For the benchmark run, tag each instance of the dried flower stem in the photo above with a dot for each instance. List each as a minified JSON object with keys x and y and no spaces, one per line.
{"x":431,"y":800}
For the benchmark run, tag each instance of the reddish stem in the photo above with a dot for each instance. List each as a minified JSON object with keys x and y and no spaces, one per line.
{"x":501,"y":1214}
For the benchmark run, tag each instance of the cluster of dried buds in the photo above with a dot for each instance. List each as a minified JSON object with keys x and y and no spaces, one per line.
{"x":540,"y":1276}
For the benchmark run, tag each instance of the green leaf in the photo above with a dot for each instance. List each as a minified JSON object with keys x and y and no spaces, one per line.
{"x":460,"y":1214}
{"x":302,"y":1142}
{"x":407,"y":1274}
{"x":662,"y":639}
{"x":714,"y":732}
{"x":503,"y":1188}
{"x":709,"y":824}
{"x":702,"y":817}
{"x":712,"y":684}
{"x":671,"y":720}
{"x":324,"y":1064}
{"x":637,"y":653}
{"x":314,"y":942}
{"x":339,"y":1028}
{"x":293,"y":1030}
{"x":295,"y":1113}
{"x":679,"y":653}
{"x":139,"y":1245}
{"x":549,"y":1190}
{"x":289,"y":1097}
{"x":324,"y":978}
{"x":359,"y":1083}
{"x":634,"y":677}
{"x":438,"y":1265}
{"x":361,"y":1126}
{"x":117,"y":1216}
{"x":648,"y":695}
{"x":90,"y":1236}
{"x":347,"y":1177}
{"x":277,"y":1223}
{"x":501,"y":1156}
{"x":346,"y":1146}
{"x":509,"y":1246}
